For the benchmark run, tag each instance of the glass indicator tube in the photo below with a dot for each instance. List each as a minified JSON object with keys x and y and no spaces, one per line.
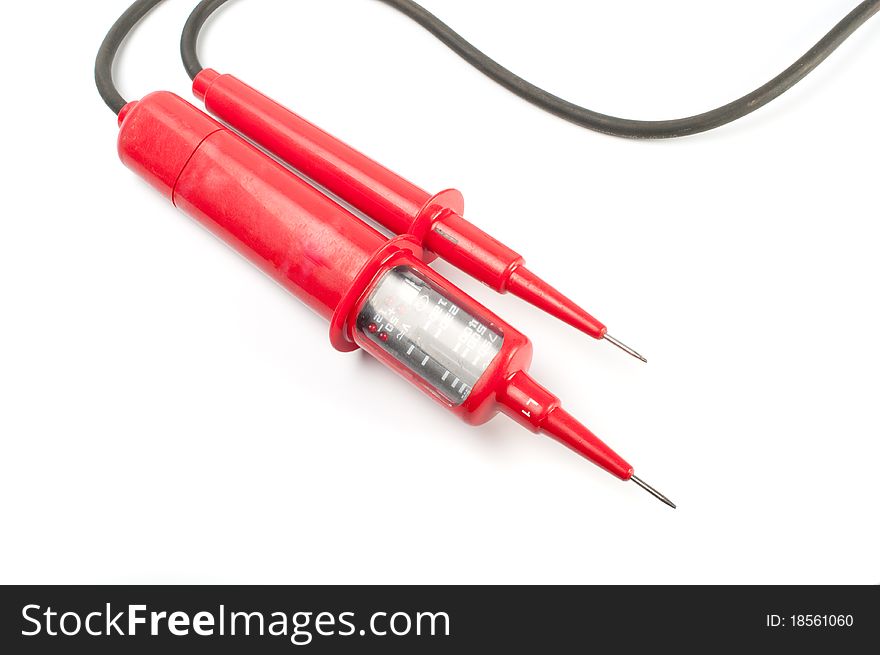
{"x":429,"y":333}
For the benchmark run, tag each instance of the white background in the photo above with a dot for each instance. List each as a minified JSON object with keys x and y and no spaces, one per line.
{"x":168,"y":414}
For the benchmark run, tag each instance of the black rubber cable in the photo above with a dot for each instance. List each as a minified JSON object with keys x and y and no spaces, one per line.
{"x":107,"y":52}
{"x":621,"y":127}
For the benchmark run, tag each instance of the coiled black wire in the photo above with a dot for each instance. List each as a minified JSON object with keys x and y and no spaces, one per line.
{"x":620,"y":127}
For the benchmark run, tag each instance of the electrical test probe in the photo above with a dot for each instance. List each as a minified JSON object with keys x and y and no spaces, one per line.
{"x":380,"y":294}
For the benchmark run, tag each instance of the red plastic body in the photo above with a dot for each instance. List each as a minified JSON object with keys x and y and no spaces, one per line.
{"x":402,"y":207}
{"x":309,"y":244}
{"x":321,"y":252}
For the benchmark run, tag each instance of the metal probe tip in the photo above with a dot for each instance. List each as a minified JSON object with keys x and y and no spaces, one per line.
{"x":625,"y":348}
{"x":651,"y":490}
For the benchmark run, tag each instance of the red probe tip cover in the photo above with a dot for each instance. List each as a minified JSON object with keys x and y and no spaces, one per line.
{"x":533,"y":406}
{"x":528,"y":286}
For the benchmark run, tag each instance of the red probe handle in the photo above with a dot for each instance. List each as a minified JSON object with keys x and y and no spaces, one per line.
{"x":367,"y":185}
{"x":383,"y":195}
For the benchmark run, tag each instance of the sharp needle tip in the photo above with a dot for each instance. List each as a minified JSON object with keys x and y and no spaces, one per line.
{"x":651,"y":490}
{"x":625,"y":348}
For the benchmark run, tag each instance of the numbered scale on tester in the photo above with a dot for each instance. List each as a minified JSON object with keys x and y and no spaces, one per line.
{"x":412,"y":320}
